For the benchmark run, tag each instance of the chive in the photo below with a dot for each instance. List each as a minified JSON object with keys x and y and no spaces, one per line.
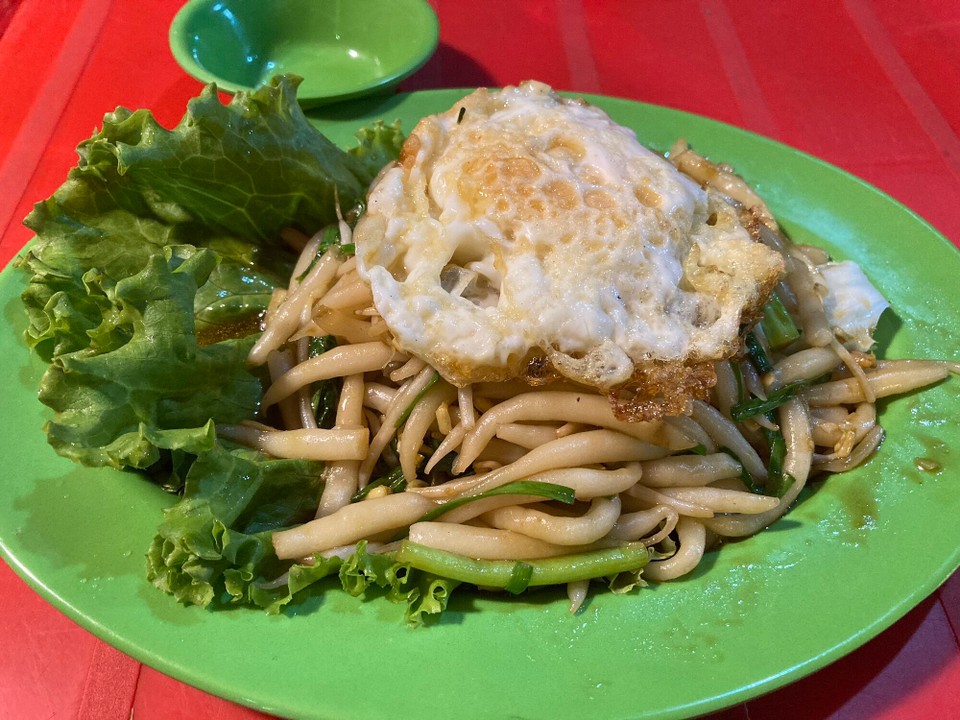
{"x":324,"y":403}
{"x":762,"y":406}
{"x":786,"y":481}
{"x":348,"y":249}
{"x":778,"y":482}
{"x":320,"y":345}
{"x":778,"y":326}
{"x":519,"y":578}
{"x":394,"y":480}
{"x":550,"y":491}
{"x":326,"y":394}
{"x":698,"y":449}
{"x":778,"y":450}
{"x":331,"y":235}
{"x":745,"y":476}
{"x":757,"y":354}
{"x":545,"y":571}
{"x":738,"y":376}
{"x":406,"y":413}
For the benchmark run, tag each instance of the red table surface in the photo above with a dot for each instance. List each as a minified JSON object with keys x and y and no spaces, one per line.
{"x":869,"y":86}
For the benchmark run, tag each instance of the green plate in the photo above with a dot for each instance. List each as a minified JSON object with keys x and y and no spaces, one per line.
{"x":854,"y":556}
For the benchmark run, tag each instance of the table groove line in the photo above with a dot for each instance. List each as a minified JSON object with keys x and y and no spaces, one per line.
{"x":877,"y":40}
{"x":49,"y":104}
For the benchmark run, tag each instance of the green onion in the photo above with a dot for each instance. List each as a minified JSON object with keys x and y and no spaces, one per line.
{"x":778,"y":326}
{"x":745,"y":476}
{"x":320,"y":345}
{"x":406,"y":413}
{"x":326,"y":394}
{"x":550,"y":491}
{"x":786,"y":480}
{"x":394,"y":480}
{"x":757,"y":354}
{"x":698,"y":449}
{"x":324,"y":403}
{"x":348,"y":249}
{"x":331,"y":235}
{"x":762,"y":406}
{"x":778,"y":482}
{"x":738,"y":376}
{"x":778,"y":450}
{"x":545,"y":571}
{"x":519,"y":578}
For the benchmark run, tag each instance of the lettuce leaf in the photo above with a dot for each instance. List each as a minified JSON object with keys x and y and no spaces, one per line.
{"x":154,"y":261}
{"x":213,"y":548}
{"x":214,"y":544}
{"x":226,"y":177}
{"x":149,"y":272}
{"x":144,"y":384}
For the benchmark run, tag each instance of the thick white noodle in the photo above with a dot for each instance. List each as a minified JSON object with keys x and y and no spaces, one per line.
{"x":483,"y":543}
{"x":378,"y":396}
{"x":586,"y":448}
{"x":341,"y":477}
{"x":795,"y":425}
{"x":450,"y":443}
{"x":726,"y":391}
{"x":577,"y":594}
{"x":475,"y":509}
{"x":560,"y":407}
{"x":465,"y":403}
{"x":560,"y":530}
{"x":813,"y":318}
{"x":859,"y":454}
{"x":307,"y":256}
{"x":401,"y":401}
{"x":527,"y":436}
{"x":351,"y":523}
{"x":855,"y":370}
{"x":690,"y":429}
{"x":406,"y":371}
{"x":722,"y":500}
{"x":309,"y":444}
{"x":336,"y":362}
{"x":889,"y":379}
{"x":804,"y":364}
{"x":725,"y":433}
{"x":639,"y":524}
{"x":693,"y":542}
{"x":418,"y":423}
{"x":652,"y":498}
{"x":689,"y":470}
{"x":279,"y":362}
{"x":348,"y":292}
{"x":846,"y":431}
{"x":286,"y":319}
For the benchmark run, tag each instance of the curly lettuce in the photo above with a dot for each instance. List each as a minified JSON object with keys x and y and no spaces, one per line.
{"x":149,"y":272}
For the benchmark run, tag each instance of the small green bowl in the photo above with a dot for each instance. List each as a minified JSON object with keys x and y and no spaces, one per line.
{"x":341,"y":48}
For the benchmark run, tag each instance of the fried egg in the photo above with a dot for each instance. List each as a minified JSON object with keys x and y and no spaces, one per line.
{"x":521,"y":226}
{"x":852,"y":304}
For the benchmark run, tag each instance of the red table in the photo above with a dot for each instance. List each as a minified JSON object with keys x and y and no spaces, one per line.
{"x":869,"y":86}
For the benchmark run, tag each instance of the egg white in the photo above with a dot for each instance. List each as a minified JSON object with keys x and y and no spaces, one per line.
{"x":522,"y":224}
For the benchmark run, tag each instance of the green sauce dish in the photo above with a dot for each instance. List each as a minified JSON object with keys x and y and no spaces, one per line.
{"x":341,"y":48}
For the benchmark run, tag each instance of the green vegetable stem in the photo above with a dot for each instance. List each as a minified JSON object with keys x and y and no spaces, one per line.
{"x":517,"y":576}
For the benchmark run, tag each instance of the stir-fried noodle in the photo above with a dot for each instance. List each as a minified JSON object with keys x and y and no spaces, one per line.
{"x":403,"y":443}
